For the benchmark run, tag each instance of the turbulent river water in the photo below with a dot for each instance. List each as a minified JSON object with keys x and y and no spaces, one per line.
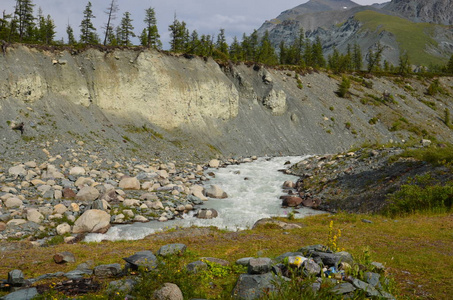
{"x":253,"y":193}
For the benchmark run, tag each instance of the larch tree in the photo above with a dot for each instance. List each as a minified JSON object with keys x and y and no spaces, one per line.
{"x":24,"y":19}
{"x":221,"y":44}
{"x":150,"y":36}
{"x":179,"y":36}
{"x":88,"y":31}
{"x":450,"y":65}
{"x":357,"y":57}
{"x":111,"y":15}
{"x":126,"y":30}
{"x":266,"y":52}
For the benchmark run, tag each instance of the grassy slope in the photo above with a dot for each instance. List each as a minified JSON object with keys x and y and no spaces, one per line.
{"x":412,"y":37}
{"x":417,"y":250}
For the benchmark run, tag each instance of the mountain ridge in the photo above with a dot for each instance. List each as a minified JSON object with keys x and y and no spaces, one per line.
{"x":322,"y":19}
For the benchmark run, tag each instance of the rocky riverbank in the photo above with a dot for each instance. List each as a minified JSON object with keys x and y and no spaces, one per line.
{"x":359,"y":181}
{"x":75,"y":193}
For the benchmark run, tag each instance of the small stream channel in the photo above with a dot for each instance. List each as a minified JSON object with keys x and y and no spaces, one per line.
{"x":253,"y":193}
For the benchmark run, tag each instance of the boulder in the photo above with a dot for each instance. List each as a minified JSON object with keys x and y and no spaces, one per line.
{"x":169,"y":291}
{"x":68,"y":193}
{"x":215,"y":191}
{"x":34,"y":215}
{"x":311,"y":268}
{"x":87,"y":193}
{"x":343,"y":288}
{"x":145,"y":259}
{"x":259,"y":265}
{"x":172,"y":249}
{"x":63,"y":228}
{"x":207,"y":213}
{"x":59,"y":209}
{"x":77,"y":171}
{"x":214,"y":163}
{"x":129,"y":183}
{"x":291,"y":201}
{"x":253,"y":286}
{"x":64,"y":257}
{"x":24,"y":294}
{"x":289,"y":184}
{"x":197,"y":191}
{"x":104,"y":271}
{"x":13,"y":202}
{"x":17,"y":171}
{"x":92,"y":220}
{"x":16,"y":278}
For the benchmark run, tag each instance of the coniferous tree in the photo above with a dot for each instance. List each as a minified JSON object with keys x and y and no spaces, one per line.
{"x":317,"y":54}
{"x":179,"y":36}
{"x":266,"y":52}
{"x":70,"y":33}
{"x":152,"y":37}
{"x":357,"y":57}
{"x":126,"y":30}
{"x":111,"y":37}
{"x":283,"y":53}
{"x":253,"y":46}
{"x":24,"y":19}
{"x":5,"y":25}
{"x":111,"y":15}
{"x":236,"y":52}
{"x":404,"y":67}
{"x":450,"y":65}
{"x":374,"y":58}
{"x":194,"y":44}
{"x":298,"y":48}
{"x":221,"y":45}
{"x":88,"y":31}
{"x":308,"y":54}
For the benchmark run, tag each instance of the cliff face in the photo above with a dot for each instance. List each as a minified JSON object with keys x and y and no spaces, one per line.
{"x":156,"y":104}
{"x":163,"y":89}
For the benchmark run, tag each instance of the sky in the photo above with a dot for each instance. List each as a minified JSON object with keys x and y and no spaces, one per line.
{"x":205,"y":16}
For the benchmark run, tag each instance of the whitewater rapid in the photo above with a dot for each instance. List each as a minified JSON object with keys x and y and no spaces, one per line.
{"x":253,"y":193}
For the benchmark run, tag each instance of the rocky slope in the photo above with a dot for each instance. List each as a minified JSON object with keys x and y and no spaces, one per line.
{"x":338,"y":24}
{"x":152,"y":104}
{"x":429,"y":11}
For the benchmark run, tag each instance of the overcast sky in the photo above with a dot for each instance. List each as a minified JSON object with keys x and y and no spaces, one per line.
{"x":205,"y":16}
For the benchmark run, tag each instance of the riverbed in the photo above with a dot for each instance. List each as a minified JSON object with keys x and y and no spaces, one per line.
{"x":253,"y":192}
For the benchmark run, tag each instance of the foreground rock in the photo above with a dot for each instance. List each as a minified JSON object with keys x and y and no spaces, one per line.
{"x":93,"y":220}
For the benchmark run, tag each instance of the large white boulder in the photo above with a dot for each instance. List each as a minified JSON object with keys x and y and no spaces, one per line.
{"x":93,"y":220}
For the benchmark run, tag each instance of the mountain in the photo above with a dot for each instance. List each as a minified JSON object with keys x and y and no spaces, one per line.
{"x":313,"y":14}
{"x":429,"y":11}
{"x":342,"y":22}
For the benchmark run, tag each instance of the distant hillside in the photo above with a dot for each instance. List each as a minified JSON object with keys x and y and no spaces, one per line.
{"x":314,"y":6}
{"x":339,"y":23}
{"x":429,"y":11}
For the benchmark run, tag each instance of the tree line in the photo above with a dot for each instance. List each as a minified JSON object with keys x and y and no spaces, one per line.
{"x":23,"y":26}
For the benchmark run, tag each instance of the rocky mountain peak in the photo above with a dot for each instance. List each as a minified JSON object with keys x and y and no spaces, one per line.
{"x":429,"y":11}
{"x":315,"y":6}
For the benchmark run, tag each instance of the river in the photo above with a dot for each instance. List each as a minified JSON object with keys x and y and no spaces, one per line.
{"x":253,"y":193}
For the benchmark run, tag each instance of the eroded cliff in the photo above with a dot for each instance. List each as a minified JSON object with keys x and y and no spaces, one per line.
{"x":153,"y":103}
